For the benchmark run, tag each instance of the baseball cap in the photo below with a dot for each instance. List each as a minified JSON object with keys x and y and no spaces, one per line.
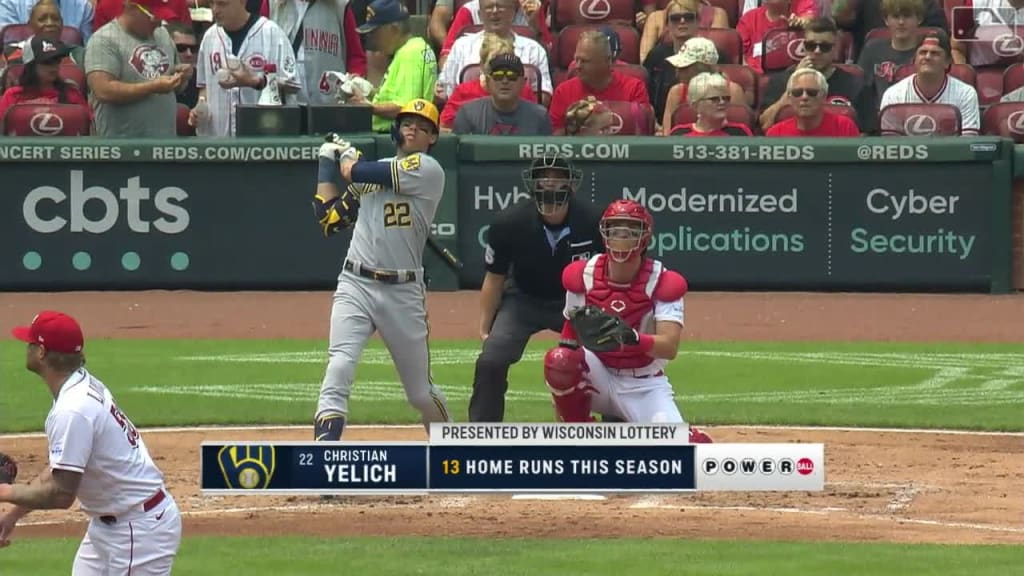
{"x":158,"y":9}
{"x":382,"y":12}
{"x":696,"y":50}
{"x":936,"y":38}
{"x":38,"y":49}
{"x":54,"y":330}
{"x":509,"y":62}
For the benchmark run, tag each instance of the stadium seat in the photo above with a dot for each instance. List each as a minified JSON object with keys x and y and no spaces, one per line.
{"x":1006,"y":120}
{"x":569,"y":36}
{"x":727,"y":41}
{"x":841,"y":109}
{"x":737,"y":113}
{"x":1013,"y":78}
{"x":472,"y":72}
{"x":579,"y":12}
{"x":989,"y":84}
{"x":558,"y":75}
{"x":18,"y":32}
{"x":12,"y":74}
{"x":631,"y":118}
{"x":634,"y":70}
{"x":71,"y":72}
{"x":920,"y":120}
{"x":47,"y":120}
{"x":181,"y":121}
{"x":731,"y":7}
{"x":964,"y":72}
{"x":746,"y":77}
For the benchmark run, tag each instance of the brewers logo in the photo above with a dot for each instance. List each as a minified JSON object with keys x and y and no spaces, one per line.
{"x":410,"y":163}
{"x":248,"y":467}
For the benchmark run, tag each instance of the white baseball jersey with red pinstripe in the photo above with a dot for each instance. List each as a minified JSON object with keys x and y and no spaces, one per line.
{"x":954,"y":91}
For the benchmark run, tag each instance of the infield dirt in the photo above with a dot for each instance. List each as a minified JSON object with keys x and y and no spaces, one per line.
{"x":880,"y":486}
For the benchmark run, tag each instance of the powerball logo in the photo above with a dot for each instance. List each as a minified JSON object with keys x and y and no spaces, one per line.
{"x":761,"y":467}
{"x":766,"y":466}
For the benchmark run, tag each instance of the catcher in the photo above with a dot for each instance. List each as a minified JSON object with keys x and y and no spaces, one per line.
{"x":624,"y":318}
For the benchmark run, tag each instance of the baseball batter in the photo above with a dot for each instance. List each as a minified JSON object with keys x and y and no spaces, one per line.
{"x":97,"y":456}
{"x":628,"y":379}
{"x":381,"y":286}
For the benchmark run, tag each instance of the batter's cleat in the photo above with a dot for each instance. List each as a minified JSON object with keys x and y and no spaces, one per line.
{"x":699,"y":437}
{"x":328,"y":428}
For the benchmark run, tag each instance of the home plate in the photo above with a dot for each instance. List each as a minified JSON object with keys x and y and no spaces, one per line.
{"x":558,"y":497}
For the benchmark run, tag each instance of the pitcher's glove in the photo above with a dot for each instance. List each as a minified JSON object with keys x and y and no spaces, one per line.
{"x":8,"y":469}
{"x":599,"y":331}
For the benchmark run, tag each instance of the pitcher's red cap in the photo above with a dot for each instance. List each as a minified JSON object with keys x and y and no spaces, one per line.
{"x":54,"y":331}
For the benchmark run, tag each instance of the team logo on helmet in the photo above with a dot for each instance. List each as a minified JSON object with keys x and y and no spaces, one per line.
{"x":418,"y":105}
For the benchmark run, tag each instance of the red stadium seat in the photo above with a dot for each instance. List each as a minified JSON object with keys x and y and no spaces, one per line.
{"x":727,"y":41}
{"x":18,"y":32}
{"x":964,"y":72}
{"x":587,"y":12}
{"x":181,"y":120}
{"x":558,"y":75}
{"x":841,"y":109}
{"x":634,"y":70}
{"x":1013,"y":78}
{"x":472,"y":72}
{"x":781,"y":48}
{"x":71,"y":72}
{"x":631,"y":118}
{"x":989,"y":84}
{"x":920,"y":120}
{"x":745,"y":76}
{"x":737,"y":113}
{"x":570,"y":36}
{"x":47,"y":120}
{"x":1006,"y":120}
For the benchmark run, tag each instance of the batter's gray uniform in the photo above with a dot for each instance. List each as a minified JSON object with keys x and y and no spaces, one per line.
{"x":387,"y":241}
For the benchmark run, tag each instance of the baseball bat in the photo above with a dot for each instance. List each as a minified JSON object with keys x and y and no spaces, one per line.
{"x":450,"y":259}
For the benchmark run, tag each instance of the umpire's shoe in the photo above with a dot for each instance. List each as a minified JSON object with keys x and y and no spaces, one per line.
{"x":328,"y":428}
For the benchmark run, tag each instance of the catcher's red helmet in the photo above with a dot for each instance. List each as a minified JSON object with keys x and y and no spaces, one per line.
{"x":626,"y":220}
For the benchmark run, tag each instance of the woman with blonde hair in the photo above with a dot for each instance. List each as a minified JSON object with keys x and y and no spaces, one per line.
{"x":588,"y":117}
{"x":491,"y":46}
{"x":697,"y":56}
{"x":708,"y":95}
{"x":661,"y":27}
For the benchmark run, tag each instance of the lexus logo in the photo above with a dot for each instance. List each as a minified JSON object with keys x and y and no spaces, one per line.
{"x":920,"y":125}
{"x":1008,"y":45}
{"x":46,"y":124}
{"x":617,"y":306}
{"x":595,"y":9}
{"x":1015,"y":122}
{"x":796,"y":49}
{"x":616,"y":126}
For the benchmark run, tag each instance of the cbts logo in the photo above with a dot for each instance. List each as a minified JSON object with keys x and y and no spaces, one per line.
{"x":920,"y":125}
{"x":46,"y":124}
{"x":595,"y":9}
{"x":1015,"y":122}
{"x":45,"y":208}
{"x":751,"y":466}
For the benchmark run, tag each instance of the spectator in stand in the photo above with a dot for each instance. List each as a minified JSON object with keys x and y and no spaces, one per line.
{"x":505,"y":112}
{"x":187,"y":46}
{"x":46,"y":22}
{"x":820,"y":47}
{"x":440,"y":21}
{"x":661,"y":76}
{"x":697,"y":56}
{"x":529,"y":15}
{"x":803,"y":10}
{"x":76,"y":13}
{"x":708,"y":95}
{"x":107,"y":10}
{"x":862,"y":16}
{"x":40,"y":81}
{"x":133,"y":72}
{"x":324,"y":38}
{"x":614,"y":44}
{"x":805,"y":92}
{"x":931,"y":83}
{"x":595,"y":77}
{"x":881,"y":58}
{"x":412,"y":73}
{"x":472,"y":89}
{"x":497,"y":19}
{"x":676,"y":23}
{"x":754,"y":24}
{"x":588,"y":117}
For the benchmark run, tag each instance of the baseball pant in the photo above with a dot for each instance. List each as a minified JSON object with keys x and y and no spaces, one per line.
{"x":632,"y":395}
{"x":519,"y":317}
{"x":135,"y":544}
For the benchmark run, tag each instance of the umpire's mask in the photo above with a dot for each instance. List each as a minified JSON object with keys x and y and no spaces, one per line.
{"x":551,"y":179}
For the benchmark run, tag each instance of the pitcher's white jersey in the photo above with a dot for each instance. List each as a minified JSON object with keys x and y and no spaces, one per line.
{"x":89,"y":434}
{"x":264,"y":43}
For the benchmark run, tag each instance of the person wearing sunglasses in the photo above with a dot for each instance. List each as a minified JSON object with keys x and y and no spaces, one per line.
{"x":820,"y":48}
{"x":505,"y":112}
{"x":805,"y":92}
{"x":40,"y":81}
{"x":697,"y":56}
{"x":187,"y":45}
{"x":662,"y":29}
{"x":708,"y":96}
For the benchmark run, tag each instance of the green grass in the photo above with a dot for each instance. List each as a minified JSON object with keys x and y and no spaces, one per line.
{"x":458,"y":557}
{"x":161,"y":382}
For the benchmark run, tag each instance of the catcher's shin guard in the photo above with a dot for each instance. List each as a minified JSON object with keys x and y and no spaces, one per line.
{"x":329,"y":427}
{"x":563,"y":374}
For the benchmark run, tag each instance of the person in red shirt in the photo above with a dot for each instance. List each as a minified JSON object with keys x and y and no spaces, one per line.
{"x":595,"y":77}
{"x":529,"y":15}
{"x":708,"y":95}
{"x":492,"y":45}
{"x":40,"y":82}
{"x":806,"y":91}
{"x":107,"y":10}
{"x":754,"y":24}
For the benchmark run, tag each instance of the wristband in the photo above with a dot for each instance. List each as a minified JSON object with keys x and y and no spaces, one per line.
{"x":646,"y":343}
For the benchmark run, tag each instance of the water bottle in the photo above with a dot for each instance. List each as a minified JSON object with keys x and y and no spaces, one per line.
{"x":270,"y":96}
{"x":202,"y":111}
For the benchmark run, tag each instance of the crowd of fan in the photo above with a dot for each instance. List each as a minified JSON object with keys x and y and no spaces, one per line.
{"x":139,"y":68}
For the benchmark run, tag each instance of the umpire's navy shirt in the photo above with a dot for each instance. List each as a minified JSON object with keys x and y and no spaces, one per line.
{"x":537,"y":254}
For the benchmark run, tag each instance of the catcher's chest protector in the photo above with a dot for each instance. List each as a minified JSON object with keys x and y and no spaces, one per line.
{"x":633,"y":303}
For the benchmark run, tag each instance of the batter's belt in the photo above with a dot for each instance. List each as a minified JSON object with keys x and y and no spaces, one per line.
{"x":387,"y":276}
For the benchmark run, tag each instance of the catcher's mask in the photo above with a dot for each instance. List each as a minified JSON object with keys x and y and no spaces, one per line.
{"x":551,"y":179}
{"x":627,"y":228}
{"x":416,"y":108}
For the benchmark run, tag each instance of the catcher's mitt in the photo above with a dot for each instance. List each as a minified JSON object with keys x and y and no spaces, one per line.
{"x":599,"y":331}
{"x":8,"y":469}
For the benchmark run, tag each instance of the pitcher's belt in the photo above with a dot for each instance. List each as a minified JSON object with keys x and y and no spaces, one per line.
{"x":389,"y":276}
{"x":146,"y":507}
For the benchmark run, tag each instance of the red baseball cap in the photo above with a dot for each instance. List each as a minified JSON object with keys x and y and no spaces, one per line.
{"x":53,"y":330}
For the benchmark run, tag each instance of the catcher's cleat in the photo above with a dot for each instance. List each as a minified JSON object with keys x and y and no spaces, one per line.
{"x":329,"y":428}
{"x":697,"y":436}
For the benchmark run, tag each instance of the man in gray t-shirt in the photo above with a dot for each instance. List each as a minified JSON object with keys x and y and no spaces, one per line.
{"x":133,"y":72}
{"x":504,"y":113}
{"x":881,"y":57}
